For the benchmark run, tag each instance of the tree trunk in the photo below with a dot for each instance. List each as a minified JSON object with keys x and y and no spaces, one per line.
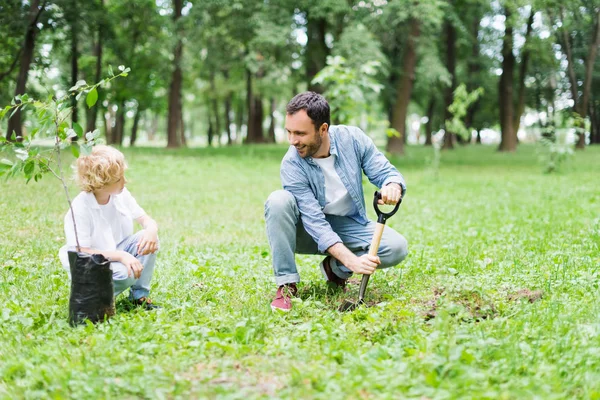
{"x":210,"y":133}
{"x":215,"y":107}
{"x":395,"y":145}
{"x":74,"y":59}
{"x":228,"y":97}
{"x":316,"y":50}
{"x":108,"y":129}
{"x":258,"y":119}
{"x":594,"y":123}
{"x":14,"y":123}
{"x":566,"y":47}
{"x":134,"y":128}
{"x":175,"y":112}
{"x":271,"y":134}
{"x":587,"y":80}
{"x":449,"y":137}
{"x":250,"y":106}
{"x":429,"y":124}
{"x":239,"y":118}
{"x":119,"y":125}
{"x":92,"y":113}
{"x":522,"y":74}
{"x":255,"y":112}
{"x":182,"y":129}
{"x":474,"y":68}
{"x":509,"y":137}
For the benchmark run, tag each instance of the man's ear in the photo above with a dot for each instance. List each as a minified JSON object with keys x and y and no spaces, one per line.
{"x":323,"y":128}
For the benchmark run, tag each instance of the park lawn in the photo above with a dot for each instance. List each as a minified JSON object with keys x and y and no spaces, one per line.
{"x":498,"y":297}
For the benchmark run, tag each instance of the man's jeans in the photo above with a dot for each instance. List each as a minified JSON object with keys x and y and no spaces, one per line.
{"x":287,"y":236}
{"x":139,"y":287}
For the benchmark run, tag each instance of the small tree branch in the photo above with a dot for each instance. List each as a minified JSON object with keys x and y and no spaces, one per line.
{"x":62,"y":180}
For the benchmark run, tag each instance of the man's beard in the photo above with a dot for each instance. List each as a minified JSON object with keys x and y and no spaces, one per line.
{"x":313,"y":147}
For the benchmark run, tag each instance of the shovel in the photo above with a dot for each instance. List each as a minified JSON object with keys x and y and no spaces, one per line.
{"x":381,"y":218}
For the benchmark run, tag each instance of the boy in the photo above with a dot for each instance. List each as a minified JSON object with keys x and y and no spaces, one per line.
{"x":104,"y":214}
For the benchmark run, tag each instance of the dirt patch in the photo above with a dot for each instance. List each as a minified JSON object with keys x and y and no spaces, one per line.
{"x":432,"y":304}
{"x":239,"y":376}
{"x":477,"y":308}
{"x":527,"y":294}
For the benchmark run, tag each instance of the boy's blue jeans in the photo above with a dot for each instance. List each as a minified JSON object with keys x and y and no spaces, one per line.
{"x":139,"y":287}
{"x":287,"y":236}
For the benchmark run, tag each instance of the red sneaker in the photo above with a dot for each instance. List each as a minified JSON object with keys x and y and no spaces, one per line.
{"x":330,"y":276}
{"x":283,"y":299}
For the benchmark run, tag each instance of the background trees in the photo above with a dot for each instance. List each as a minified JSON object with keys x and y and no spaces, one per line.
{"x":220,"y":72}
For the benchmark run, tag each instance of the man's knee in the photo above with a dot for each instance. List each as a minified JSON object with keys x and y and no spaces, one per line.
{"x":280,"y":201}
{"x":395,"y":251}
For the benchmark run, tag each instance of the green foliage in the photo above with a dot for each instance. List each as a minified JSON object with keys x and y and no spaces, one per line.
{"x":52,"y":116}
{"x":489,"y":229}
{"x":556,"y":147}
{"x":460,"y":105}
{"x":349,"y":89}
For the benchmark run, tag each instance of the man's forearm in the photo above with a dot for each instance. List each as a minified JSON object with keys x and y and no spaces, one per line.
{"x":341,"y":253}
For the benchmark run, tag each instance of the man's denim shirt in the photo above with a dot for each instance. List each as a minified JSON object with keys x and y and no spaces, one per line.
{"x":355,"y":152}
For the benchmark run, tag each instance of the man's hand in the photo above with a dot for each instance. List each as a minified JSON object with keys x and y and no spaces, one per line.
{"x":148,"y":243}
{"x":365,"y":264}
{"x":390,"y":194}
{"x":134,"y":265}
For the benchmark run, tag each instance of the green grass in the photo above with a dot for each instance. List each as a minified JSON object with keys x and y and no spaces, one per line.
{"x":449,"y":322}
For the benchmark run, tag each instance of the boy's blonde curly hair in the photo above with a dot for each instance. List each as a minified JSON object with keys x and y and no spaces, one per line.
{"x":104,"y":166}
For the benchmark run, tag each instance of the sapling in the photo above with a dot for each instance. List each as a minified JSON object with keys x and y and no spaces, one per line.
{"x":52,"y":117}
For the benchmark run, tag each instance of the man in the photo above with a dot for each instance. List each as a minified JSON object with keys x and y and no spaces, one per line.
{"x":321,"y":209}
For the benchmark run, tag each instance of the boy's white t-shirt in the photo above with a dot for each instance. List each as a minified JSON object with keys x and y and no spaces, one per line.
{"x":337,"y":198}
{"x":99,"y":227}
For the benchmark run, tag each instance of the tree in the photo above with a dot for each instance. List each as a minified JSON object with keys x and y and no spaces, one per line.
{"x":35,"y":10}
{"x":174,"y":127}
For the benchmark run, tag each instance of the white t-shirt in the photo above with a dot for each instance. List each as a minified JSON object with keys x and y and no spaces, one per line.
{"x":337,"y":198}
{"x":99,"y":227}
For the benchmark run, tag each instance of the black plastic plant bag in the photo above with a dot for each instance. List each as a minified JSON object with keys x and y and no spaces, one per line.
{"x":92,"y":291}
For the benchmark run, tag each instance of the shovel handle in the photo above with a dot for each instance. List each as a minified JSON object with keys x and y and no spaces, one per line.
{"x":372,"y":252}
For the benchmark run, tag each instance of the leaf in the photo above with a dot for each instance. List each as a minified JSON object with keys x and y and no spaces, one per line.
{"x":14,"y":111}
{"x":4,"y":111}
{"x":71,"y":133}
{"x":5,"y":165}
{"x":78,"y":129}
{"x":91,"y":98}
{"x":78,"y":84}
{"x":75,"y":149}
{"x":29,"y":168}
{"x":21,"y":154}
{"x":86,"y":149}
{"x":110,"y":71}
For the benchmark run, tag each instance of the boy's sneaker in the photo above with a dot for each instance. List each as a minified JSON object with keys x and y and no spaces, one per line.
{"x":330,"y":276}
{"x":283,"y":299}
{"x":145,"y":303}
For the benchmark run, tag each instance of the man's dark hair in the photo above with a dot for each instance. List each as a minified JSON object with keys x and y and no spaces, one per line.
{"x":314,"y":104}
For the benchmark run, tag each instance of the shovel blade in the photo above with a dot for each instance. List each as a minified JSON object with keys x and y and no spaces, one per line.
{"x":348,"y":306}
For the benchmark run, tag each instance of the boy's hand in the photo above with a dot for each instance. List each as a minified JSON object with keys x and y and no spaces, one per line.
{"x":390,"y":194}
{"x":148,"y":243}
{"x":134,"y":265}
